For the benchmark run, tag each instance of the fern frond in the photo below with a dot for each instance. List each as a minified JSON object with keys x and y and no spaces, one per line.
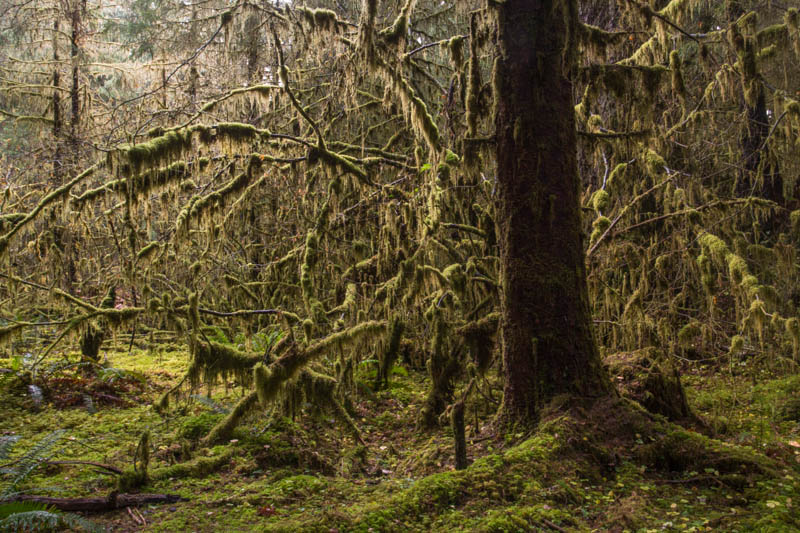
{"x":11,"y":508}
{"x":211,"y":404}
{"x":33,"y":458}
{"x":44,"y":520}
{"x":6,"y":444}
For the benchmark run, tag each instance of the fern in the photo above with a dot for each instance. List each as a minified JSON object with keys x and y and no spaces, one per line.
{"x":211,"y":404}
{"x":42,"y":520}
{"x":89,"y":404}
{"x":11,"y":508}
{"x":37,"y":455}
{"x":110,"y":375}
{"x":6,"y":444}
{"x":33,"y":516}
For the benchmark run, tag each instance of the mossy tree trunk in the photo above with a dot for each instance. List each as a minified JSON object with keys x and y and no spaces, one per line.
{"x":548,"y":345}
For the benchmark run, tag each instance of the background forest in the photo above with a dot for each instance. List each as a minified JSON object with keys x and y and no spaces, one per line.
{"x":249,"y":248}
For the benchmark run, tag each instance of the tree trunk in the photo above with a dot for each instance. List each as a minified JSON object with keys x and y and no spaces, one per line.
{"x":57,"y":163}
{"x":548,"y":344}
{"x":74,"y":92}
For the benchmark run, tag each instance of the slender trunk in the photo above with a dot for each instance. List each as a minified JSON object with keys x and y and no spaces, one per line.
{"x":74,"y":92}
{"x":548,"y":344}
{"x":57,"y":163}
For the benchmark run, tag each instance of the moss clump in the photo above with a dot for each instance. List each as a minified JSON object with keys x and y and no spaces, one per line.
{"x":196,"y":427}
{"x":451,"y":158}
{"x":156,"y":152}
{"x":131,"y":480}
{"x":681,"y":450}
{"x":600,"y":200}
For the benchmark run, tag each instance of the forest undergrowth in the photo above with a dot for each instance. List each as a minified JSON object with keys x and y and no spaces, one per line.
{"x":614,"y":467}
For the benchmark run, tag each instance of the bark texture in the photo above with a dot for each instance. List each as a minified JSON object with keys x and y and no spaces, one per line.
{"x":548,"y":344}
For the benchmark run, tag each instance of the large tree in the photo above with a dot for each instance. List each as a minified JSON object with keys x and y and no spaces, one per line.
{"x":548,"y":347}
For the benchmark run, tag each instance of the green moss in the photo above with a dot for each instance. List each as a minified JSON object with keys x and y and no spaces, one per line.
{"x":196,"y":427}
{"x":148,"y":250}
{"x":654,"y":163}
{"x":681,"y":450}
{"x":600,"y":200}
{"x":213,"y":360}
{"x":323,"y":19}
{"x":199,"y":467}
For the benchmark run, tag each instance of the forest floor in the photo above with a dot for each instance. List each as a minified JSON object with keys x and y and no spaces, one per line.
{"x":614,"y":468}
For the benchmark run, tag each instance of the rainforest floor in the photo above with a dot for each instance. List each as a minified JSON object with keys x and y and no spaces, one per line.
{"x":611,"y":467}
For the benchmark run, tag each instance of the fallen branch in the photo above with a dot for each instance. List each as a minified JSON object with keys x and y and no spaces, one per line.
{"x":97,"y":505}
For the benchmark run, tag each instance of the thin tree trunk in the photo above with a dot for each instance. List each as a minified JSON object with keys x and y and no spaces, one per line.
{"x":57,"y":163}
{"x":74,"y":92}
{"x":548,"y":344}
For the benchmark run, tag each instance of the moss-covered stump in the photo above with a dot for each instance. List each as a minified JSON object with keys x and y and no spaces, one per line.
{"x":646,"y":377}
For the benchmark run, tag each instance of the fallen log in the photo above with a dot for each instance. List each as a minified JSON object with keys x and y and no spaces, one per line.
{"x":95,"y":505}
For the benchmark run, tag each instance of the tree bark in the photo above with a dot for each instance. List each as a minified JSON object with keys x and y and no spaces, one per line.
{"x":548,"y":344}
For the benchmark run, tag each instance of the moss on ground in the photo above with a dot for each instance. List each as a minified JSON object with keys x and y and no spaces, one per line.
{"x":612,"y":468}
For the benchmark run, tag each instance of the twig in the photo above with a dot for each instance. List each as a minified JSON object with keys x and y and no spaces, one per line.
{"x":135,"y":518}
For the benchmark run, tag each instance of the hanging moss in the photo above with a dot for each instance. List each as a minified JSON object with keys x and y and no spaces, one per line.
{"x":214,"y":360}
{"x":200,"y":206}
{"x":654,"y":163}
{"x":141,"y":461}
{"x":472,"y":97}
{"x":596,"y":40}
{"x":270,"y":379}
{"x":57,"y":194}
{"x":455,"y":45}
{"x":617,"y":175}
{"x":320,"y":390}
{"x":323,"y":19}
{"x":678,"y":85}
{"x":396,"y":33}
{"x":451,"y":158}
{"x":156,"y":152}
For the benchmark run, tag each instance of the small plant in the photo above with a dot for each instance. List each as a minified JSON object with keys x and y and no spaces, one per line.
{"x":26,"y":515}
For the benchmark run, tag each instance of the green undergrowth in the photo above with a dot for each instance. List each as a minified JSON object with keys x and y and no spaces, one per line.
{"x":614,"y":467}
